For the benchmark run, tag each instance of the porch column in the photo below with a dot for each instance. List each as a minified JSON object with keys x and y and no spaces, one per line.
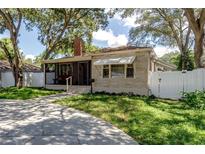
{"x":44,"y":70}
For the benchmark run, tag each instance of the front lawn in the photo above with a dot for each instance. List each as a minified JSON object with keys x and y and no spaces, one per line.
{"x":147,"y":121}
{"x":24,"y":93}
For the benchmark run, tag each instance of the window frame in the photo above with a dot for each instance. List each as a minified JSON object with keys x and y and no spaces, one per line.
{"x":123,"y":76}
{"x":132,"y":70}
{"x":123,"y":71}
{"x":103,"y":68}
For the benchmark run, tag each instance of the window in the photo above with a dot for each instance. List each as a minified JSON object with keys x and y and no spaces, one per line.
{"x":105,"y":71}
{"x":118,"y":70}
{"x":130,"y":71}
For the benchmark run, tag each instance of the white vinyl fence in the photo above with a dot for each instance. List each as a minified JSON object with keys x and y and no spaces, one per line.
{"x":33,"y":79}
{"x":30,"y":79}
{"x":173,"y":84}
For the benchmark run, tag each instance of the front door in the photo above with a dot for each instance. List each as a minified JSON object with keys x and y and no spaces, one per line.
{"x":83,"y":73}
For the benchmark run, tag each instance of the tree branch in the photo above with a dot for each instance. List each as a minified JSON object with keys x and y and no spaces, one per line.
{"x":187,"y":38}
{"x":7,"y":53}
{"x":170,"y":23}
{"x":19,"y":21}
{"x":7,"y":21}
{"x":191,"y":19}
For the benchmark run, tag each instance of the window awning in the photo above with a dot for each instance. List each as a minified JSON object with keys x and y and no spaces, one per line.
{"x":115,"y":60}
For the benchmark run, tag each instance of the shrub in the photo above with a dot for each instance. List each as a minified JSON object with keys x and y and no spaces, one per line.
{"x":152,"y":97}
{"x":195,"y":99}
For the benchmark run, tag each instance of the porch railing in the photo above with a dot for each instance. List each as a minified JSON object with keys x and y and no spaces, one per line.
{"x":67,"y":81}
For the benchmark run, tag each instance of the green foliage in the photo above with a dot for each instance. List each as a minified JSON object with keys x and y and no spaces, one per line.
{"x":89,"y":48}
{"x":8,"y":45}
{"x":59,"y":27}
{"x":176,"y":59}
{"x":158,"y":27}
{"x":148,"y":121}
{"x":28,"y":61}
{"x":10,"y":55}
{"x":188,"y":61}
{"x":13,"y":15}
{"x":161,"y":26}
{"x":195,"y":99}
{"x":24,"y":93}
{"x":171,"y":57}
{"x":37,"y":60}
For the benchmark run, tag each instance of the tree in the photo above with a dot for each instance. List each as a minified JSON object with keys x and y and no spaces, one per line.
{"x":89,"y":48}
{"x":196,"y":18}
{"x":166,"y":27}
{"x":176,"y":59}
{"x":28,"y":60}
{"x":59,"y":27}
{"x":6,"y":50}
{"x":11,"y":20}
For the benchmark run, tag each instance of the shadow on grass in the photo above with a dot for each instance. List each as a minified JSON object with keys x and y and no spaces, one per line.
{"x":149,"y":121}
{"x":24,"y":93}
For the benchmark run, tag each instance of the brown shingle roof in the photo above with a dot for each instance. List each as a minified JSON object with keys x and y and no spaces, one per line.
{"x":5,"y":66}
{"x":103,"y":50}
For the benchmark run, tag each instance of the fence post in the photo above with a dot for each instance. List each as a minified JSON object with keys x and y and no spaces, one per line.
{"x":159,"y":85}
{"x":183,"y":74}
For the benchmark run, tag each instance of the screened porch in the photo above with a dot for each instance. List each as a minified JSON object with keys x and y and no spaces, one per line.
{"x":78,"y":72}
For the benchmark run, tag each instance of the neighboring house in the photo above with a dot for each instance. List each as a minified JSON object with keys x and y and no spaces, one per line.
{"x":115,"y":70}
{"x":32,"y":75}
{"x":160,"y":65}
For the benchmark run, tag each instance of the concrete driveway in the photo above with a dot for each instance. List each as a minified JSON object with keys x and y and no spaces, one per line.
{"x":41,"y":122}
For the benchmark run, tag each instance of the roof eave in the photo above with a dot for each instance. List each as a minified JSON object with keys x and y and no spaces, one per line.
{"x":69,"y":59}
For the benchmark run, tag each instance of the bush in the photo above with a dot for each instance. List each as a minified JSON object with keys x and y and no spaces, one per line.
{"x":195,"y":99}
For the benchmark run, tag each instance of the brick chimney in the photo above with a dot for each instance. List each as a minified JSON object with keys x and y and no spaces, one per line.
{"x":78,"y":46}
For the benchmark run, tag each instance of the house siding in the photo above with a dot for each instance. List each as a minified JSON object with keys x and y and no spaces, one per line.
{"x":137,"y":85}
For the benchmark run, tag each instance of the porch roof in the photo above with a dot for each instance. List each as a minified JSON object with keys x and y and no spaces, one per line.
{"x":67,"y":59}
{"x":116,"y":60}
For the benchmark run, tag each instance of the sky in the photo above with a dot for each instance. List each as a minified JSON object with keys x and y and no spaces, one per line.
{"x":116,"y":34}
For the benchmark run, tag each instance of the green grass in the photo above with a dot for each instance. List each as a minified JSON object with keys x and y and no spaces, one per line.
{"x":147,"y":121}
{"x":24,"y":93}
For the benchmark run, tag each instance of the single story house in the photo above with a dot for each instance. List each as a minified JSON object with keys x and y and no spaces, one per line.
{"x":114,"y":70}
{"x":32,"y":75}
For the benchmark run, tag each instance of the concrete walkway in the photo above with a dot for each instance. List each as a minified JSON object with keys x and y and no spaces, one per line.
{"x":38,"y":121}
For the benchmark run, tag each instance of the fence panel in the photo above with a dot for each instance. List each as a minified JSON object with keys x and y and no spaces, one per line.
{"x":173,"y":84}
{"x":33,"y":79}
{"x":30,"y":79}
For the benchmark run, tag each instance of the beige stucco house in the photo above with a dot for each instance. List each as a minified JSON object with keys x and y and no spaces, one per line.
{"x":115,"y":70}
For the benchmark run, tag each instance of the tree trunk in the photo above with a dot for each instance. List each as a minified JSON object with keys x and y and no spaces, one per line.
{"x":198,"y":50}
{"x":18,"y":74}
{"x":184,"y":57}
{"x":183,"y":60}
{"x":18,"y":77}
{"x":47,"y":54}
